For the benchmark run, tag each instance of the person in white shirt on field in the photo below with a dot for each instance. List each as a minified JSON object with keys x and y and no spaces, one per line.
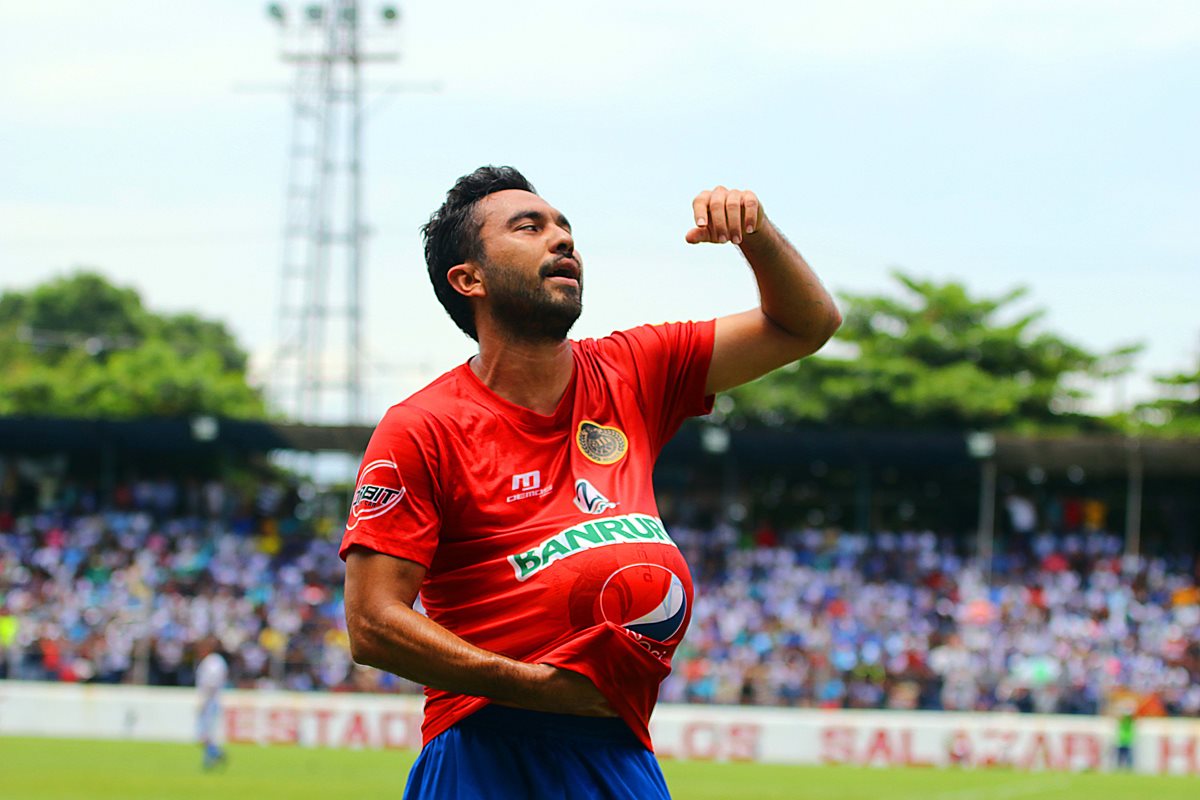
{"x":211,"y":675}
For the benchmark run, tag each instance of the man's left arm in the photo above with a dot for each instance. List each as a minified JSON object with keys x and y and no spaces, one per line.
{"x":796,"y":315}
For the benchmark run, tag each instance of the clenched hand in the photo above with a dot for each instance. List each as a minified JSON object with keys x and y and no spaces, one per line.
{"x":725,"y":215}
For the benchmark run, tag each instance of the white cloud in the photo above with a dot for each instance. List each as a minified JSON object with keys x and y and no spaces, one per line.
{"x":135,"y":157}
{"x":67,"y":60}
{"x":637,"y":47}
{"x":1023,"y":29}
{"x":67,"y":57}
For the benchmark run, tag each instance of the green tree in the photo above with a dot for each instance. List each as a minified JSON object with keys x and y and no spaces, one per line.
{"x":81,"y":346}
{"x":935,"y":357}
{"x":1177,"y":411}
{"x":190,"y":334}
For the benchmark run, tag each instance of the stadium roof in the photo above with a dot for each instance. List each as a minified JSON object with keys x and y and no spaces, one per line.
{"x":42,"y":435}
{"x":1098,"y":454}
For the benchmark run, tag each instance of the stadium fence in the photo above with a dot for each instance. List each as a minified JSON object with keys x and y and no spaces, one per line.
{"x":722,"y":733}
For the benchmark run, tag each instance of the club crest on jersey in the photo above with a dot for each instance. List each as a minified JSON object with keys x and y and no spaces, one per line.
{"x":601,"y":443}
{"x":589,"y":500}
{"x":379,"y":490}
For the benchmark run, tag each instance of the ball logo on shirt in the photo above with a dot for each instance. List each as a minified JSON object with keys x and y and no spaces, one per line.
{"x":379,"y":490}
{"x":600,"y":443}
{"x":648,"y":599}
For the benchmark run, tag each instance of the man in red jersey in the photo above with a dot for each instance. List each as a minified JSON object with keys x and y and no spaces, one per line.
{"x":514,"y":494}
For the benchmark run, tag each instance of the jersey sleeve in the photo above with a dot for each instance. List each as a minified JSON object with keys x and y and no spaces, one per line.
{"x":668,"y":365}
{"x":396,"y":508}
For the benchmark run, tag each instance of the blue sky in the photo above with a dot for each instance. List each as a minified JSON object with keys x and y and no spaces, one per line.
{"x":1044,"y":144}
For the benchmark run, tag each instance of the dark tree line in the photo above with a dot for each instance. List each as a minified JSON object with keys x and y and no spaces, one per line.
{"x":927,"y":355}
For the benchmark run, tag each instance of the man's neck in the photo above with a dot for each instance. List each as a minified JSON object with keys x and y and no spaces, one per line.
{"x":532,"y":375}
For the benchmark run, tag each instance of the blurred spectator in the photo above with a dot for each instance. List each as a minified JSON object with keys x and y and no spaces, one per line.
{"x":120,"y":588}
{"x":831,"y":618}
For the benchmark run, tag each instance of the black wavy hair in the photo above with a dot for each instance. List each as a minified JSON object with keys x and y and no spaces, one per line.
{"x":452,"y":235}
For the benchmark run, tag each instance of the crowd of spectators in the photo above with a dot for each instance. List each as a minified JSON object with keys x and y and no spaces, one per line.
{"x":119,"y":587}
{"x":826,"y":618}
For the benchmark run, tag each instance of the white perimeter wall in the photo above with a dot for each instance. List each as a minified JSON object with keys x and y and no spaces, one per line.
{"x":866,"y":738}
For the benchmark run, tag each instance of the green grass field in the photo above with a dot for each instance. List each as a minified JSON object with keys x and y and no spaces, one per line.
{"x":103,"y":770}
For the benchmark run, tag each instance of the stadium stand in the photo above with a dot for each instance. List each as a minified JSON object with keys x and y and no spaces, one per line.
{"x":118,"y":587}
{"x":902,"y":620}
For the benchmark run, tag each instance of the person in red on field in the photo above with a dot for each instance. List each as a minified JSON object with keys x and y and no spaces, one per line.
{"x":514,"y":494}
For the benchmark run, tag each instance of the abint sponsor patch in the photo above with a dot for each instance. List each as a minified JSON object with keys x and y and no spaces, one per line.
{"x":379,"y":490}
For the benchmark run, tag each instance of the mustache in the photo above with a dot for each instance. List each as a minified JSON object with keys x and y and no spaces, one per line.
{"x":557,"y":264}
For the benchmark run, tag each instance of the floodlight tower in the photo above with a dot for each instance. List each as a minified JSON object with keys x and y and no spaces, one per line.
{"x":321,"y":275}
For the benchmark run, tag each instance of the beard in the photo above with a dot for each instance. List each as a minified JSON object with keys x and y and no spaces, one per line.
{"x":530,"y":310}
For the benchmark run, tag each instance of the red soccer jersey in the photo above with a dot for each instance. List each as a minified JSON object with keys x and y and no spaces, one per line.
{"x":541,"y":533}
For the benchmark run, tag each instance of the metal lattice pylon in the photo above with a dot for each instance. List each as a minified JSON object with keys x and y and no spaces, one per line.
{"x":317,"y":371}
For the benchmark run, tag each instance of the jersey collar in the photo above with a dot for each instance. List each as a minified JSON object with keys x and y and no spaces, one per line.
{"x":526,"y":418}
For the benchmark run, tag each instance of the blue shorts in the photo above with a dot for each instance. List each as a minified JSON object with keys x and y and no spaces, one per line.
{"x":505,"y":753}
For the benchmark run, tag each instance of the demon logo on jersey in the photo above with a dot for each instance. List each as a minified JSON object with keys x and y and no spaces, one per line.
{"x":379,"y":490}
{"x":600,"y":443}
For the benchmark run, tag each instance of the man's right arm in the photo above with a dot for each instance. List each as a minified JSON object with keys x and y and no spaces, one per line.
{"x":387,"y":633}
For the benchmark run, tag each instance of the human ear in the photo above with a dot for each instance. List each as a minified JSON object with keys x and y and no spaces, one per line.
{"x":467,"y":280}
